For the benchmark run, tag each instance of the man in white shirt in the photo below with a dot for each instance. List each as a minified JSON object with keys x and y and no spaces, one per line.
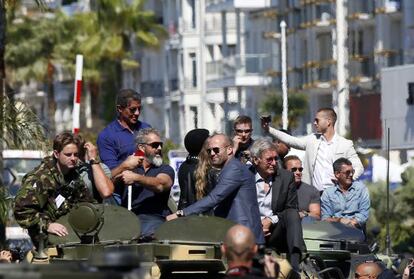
{"x":322,"y":149}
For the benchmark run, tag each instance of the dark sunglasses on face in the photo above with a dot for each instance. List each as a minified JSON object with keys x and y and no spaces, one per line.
{"x":155,"y":144}
{"x":296,"y":169}
{"x":270,"y":160}
{"x":348,"y":173}
{"x":216,"y":150}
{"x":240,"y":131}
{"x":133,"y":110}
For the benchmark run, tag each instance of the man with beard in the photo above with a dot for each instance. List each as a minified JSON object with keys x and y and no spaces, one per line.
{"x":151,"y":180}
{"x":242,"y":139}
{"x":116,"y":142}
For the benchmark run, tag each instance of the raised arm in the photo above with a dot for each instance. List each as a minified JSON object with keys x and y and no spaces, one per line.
{"x":298,"y":143}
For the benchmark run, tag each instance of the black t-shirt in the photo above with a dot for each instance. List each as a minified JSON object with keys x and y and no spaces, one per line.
{"x":307,"y":194}
{"x":145,"y":201}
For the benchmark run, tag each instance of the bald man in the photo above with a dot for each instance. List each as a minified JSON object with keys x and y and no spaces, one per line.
{"x":372,"y":270}
{"x":234,"y":196}
{"x":239,"y":248}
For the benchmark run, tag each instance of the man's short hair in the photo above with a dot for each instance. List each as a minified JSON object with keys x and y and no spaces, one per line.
{"x":242,"y":119}
{"x":124,"y":96}
{"x":337,"y":165}
{"x":65,"y":138}
{"x":142,"y":134}
{"x":330,"y":113}
{"x":290,"y":158}
{"x":260,"y":145}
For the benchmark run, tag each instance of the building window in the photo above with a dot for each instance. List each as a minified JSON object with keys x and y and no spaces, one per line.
{"x":193,"y":13}
{"x":193,"y":60}
{"x":194,"y":112}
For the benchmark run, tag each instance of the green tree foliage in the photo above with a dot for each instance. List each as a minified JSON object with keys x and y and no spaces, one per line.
{"x":401,"y":212}
{"x":106,"y":37}
{"x":298,"y":106}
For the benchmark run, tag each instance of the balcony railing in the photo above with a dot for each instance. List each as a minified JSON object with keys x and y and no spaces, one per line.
{"x":152,"y":89}
{"x":362,"y":67}
{"x":361,"y":7}
{"x":214,"y":25}
{"x":324,"y":13}
{"x":248,"y":64}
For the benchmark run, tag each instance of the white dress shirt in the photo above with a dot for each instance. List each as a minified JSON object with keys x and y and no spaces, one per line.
{"x":264,"y":199}
{"x":323,"y":172}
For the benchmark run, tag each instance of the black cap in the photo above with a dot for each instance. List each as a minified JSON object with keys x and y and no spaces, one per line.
{"x":194,"y":140}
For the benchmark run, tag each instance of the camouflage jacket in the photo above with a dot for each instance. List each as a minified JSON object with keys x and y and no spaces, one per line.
{"x":45,"y":196}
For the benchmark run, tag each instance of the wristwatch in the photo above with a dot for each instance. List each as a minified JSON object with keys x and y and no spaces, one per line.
{"x":94,"y":161}
{"x":180,"y":213}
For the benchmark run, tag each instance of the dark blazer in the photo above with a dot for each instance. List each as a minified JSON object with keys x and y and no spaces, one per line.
{"x":234,"y":198}
{"x":284,"y":193}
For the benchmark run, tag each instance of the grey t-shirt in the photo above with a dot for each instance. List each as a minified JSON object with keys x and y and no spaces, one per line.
{"x":307,"y":194}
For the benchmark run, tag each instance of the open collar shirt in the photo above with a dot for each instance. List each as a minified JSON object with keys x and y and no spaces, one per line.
{"x":264,"y":199}
{"x":354,"y":203}
{"x":323,"y":172}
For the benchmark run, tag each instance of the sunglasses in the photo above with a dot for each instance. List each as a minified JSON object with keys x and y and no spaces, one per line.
{"x":296,"y":169}
{"x":240,"y":131}
{"x":133,"y":110}
{"x":348,"y":173}
{"x":155,"y":144}
{"x":216,"y":150}
{"x":271,"y":159}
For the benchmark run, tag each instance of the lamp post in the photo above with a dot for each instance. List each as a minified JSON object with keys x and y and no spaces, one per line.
{"x":284,"y":76}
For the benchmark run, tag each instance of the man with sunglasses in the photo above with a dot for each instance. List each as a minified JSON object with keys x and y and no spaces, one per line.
{"x":321,"y":149}
{"x":242,"y":139}
{"x":116,"y":142}
{"x":348,"y":202}
{"x":151,"y":183}
{"x":309,"y":200}
{"x":234,"y":196}
{"x":278,"y":202}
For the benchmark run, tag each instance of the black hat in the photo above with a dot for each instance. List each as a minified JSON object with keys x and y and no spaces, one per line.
{"x":194,"y":140}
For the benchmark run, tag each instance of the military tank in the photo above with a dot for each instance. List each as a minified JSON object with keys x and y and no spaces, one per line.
{"x":107,"y":236}
{"x":334,"y":250}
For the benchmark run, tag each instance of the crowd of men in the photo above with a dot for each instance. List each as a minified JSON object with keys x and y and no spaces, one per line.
{"x":257,"y":183}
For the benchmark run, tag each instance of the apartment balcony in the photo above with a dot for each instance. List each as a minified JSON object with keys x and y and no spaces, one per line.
{"x":325,"y":16}
{"x":215,"y":6}
{"x":389,"y":7}
{"x":153,"y":89}
{"x":240,"y":70}
{"x":361,"y":10}
{"x":361,"y":69}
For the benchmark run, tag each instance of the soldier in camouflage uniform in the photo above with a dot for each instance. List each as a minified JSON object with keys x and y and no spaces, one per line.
{"x":50,"y":190}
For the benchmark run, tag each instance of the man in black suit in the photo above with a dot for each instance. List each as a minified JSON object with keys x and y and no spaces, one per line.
{"x":278,"y":202}
{"x":234,"y":196}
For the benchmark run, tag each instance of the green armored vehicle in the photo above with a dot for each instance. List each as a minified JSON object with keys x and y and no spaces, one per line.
{"x":334,"y":249}
{"x":99,"y":231}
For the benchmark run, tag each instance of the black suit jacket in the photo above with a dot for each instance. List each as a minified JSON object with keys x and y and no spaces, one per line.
{"x":284,"y":193}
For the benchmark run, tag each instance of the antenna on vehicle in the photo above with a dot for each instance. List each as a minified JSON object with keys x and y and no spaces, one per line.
{"x":387,"y":237}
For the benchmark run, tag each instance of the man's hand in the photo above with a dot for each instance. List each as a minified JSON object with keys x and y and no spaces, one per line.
{"x":132,"y":162}
{"x":5,"y":256}
{"x":171,"y":217}
{"x":91,"y":151}
{"x":271,"y":267}
{"x":128,"y":177}
{"x":265,"y":124}
{"x":266,"y":224}
{"x":236,"y":142}
{"x":58,"y":229}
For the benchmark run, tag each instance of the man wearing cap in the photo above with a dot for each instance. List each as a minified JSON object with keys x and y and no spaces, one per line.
{"x":193,"y":142}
